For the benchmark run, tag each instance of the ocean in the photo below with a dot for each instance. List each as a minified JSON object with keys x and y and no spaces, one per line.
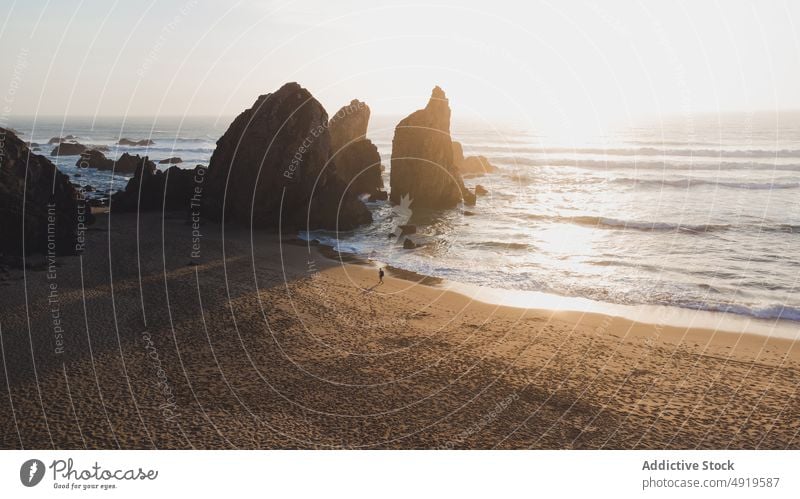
{"x":192,"y":139}
{"x":699,"y":214}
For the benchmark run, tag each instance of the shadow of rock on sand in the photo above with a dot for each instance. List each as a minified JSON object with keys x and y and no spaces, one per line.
{"x":93,"y":310}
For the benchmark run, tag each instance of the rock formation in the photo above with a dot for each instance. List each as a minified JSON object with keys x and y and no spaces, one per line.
{"x":58,"y":140}
{"x":151,"y":189}
{"x":357,"y":160}
{"x":51,"y":211}
{"x":125,"y":164}
{"x":128,"y":163}
{"x":135,"y":143}
{"x":349,"y":124}
{"x":458,"y":153}
{"x":68,"y":149}
{"x":471,"y":165}
{"x":94,"y":159}
{"x":476,"y":165}
{"x":359,"y":165}
{"x":170,"y":161}
{"x":422,"y":158}
{"x":272,"y":168}
{"x":378,"y":196}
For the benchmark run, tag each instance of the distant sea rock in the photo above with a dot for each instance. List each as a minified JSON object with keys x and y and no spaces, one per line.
{"x":272,"y":168}
{"x":476,"y":165}
{"x":58,"y":140}
{"x":50,"y":210}
{"x":125,"y":164}
{"x":422,"y":158}
{"x":135,"y":143}
{"x":170,"y":161}
{"x":94,"y":159}
{"x":68,"y":149}
{"x":146,"y":190}
{"x":378,"y":196}
{"x":358,"y":162}
{"x":471,"y":165}
{"x":128,"y":163}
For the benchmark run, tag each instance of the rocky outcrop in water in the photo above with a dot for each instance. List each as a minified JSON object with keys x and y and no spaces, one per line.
{"x":422,"y":158}
{"x":357,"y":160}
{"x":94,"y":159}
{"x":378,"y":196}
{"x":129,"y":163}
{"x":125,"y":164}
{"x":476,"y":165}
{"x":58,"y":140}
{"x":135,"y":143}
{"x":68,"y":149}
{"x":170,"y":161}
{"x":151,"y":189}
{"x":471,"y":165}
{"x":38,"y":205}
{"x":272,"y":168}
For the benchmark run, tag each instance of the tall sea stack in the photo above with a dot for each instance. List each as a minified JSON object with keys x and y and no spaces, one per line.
{"x":272,"y":168}
{"x":357,"y":160}
{"x":422,"y":158}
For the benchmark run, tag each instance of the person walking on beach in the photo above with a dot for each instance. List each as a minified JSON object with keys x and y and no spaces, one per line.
{"x":380,"y":275}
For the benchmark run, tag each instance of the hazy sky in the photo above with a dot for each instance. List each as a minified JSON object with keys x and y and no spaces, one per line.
{"x":555,"y":61}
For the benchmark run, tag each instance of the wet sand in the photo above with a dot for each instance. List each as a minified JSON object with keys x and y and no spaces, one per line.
{"x":266,"y":343}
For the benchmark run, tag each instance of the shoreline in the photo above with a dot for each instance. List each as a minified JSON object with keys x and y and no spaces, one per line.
{"x":598,"y":315}
{"x":656,"y":315}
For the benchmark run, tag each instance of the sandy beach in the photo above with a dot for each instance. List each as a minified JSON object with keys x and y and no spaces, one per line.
{"x":264,"y":342}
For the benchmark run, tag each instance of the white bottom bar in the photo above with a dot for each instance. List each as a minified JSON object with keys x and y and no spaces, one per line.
{"x":440,"y":474}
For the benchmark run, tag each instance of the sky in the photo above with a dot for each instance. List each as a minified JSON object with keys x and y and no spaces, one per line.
{"x":566,"y":63}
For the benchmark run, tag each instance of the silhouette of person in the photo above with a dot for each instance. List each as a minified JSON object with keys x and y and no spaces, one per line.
{"x":380,"y":275}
